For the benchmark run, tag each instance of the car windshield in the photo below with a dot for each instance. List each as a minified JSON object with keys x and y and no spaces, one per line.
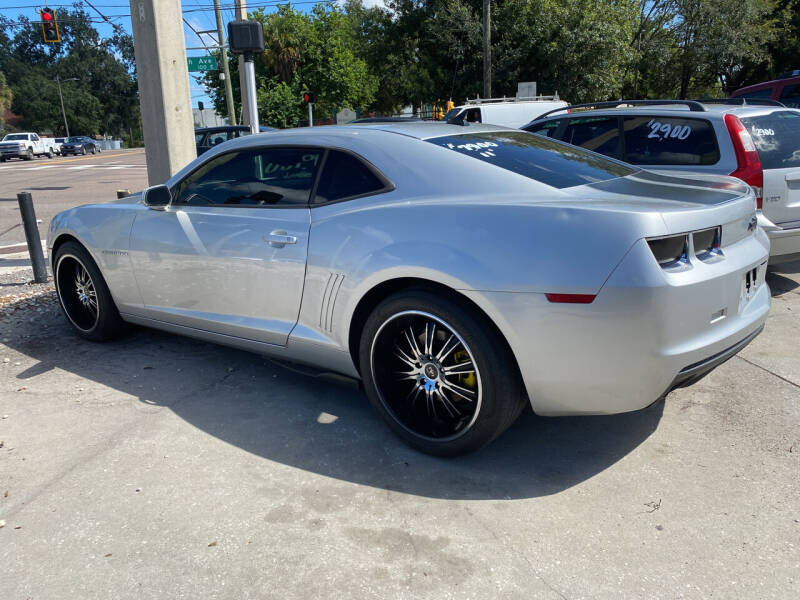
{"x":74,"y":139}
{"x":777,"y":137}
{"x":15,"y":136}
{"x":545,"y":160}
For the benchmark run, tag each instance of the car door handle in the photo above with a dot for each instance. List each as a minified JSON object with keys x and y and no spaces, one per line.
{"x":792,"y":177}
{"x":279,"y":238}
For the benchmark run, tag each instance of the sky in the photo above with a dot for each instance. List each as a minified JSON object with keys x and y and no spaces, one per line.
{"x":199,"y":14}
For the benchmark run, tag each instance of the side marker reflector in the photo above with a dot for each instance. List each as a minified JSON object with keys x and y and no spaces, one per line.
{"x":571,"y":298}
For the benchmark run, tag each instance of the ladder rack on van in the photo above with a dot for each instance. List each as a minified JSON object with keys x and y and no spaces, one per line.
{"x":477,"y":101}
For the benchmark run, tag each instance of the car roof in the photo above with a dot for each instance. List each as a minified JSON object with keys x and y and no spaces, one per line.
{"x":421,"y":130}
{"x":713,"y":111}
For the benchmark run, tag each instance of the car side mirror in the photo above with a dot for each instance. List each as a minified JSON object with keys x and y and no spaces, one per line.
{"x":157,"y":197}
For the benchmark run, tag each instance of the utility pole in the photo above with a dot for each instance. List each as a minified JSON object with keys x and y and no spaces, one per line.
{"x":61,"y":97}
{"x":487,"y":49}
{"x":225,"y":70}
{"x":163,"y":77}
{"x":240,"y":7}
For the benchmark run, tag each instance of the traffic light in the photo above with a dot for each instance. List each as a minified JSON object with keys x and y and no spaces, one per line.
{"x":200,"y":106}
{"x":49,"y":26}
{"x":308,"y":97}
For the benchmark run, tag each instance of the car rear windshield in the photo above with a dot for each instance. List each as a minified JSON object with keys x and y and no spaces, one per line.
{"x":777,"y":137}
{"x":665,"y":140}
{"x":553,"y":163}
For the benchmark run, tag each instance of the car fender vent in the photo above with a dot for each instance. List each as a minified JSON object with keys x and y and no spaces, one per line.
{"x":329,"y":301}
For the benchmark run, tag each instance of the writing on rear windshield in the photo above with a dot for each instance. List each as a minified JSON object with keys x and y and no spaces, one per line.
{"x":483,"y":148}
{"x":662,"y":131}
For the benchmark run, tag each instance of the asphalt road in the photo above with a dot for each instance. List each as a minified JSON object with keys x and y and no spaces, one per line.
{"x":162,"y":467}
{"x":63,"y":182}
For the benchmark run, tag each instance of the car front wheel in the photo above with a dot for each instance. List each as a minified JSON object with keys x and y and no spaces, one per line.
{"x":84,"y":295}
{"x":83,"y":150}
{"x":438,"y":374}
{"x":29,"y":154}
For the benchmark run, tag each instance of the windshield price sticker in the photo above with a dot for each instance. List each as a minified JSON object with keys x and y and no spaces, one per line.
{"x":662,"y":131}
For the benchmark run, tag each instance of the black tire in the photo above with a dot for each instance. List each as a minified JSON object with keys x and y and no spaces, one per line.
{"x":29,"y":154}
{"x":489,"y":400}
{"x":83,"y":150}
{"x":50,"y":154}
{"x":78,"y":281}
{"x":94,"y":150}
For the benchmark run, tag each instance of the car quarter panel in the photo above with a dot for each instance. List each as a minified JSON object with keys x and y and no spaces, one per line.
{"x":623,"y":351}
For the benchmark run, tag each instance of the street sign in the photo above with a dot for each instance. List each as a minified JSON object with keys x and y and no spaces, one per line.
{"x":202,"y":63}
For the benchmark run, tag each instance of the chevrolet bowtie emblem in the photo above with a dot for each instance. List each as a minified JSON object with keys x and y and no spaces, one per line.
{"x":753,"y":223}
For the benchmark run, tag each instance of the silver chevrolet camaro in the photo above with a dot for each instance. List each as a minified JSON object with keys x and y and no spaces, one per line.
{"x":461,"y":272}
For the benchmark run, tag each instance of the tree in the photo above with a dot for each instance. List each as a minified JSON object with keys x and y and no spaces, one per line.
{"x":104,"y":100}
{"x":5,"y":97}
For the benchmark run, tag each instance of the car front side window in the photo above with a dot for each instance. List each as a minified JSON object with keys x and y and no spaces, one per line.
{"x":259,"y":177}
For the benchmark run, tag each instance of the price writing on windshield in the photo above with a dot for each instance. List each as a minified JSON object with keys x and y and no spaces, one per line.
{"x":662,"y":131}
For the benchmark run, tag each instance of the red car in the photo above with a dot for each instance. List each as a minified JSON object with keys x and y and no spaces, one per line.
{"x":785,"y":89}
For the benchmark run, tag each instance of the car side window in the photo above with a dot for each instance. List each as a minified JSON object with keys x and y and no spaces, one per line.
{"x":659,"y":140}
{"x":762,"y":93}
{"x":545,"y":128}
{"x":790,"y":95}
{"x":35,"y":137}
{"x":345,"y":176}
{"x":598,"y":134}
{"x":473,"y":115}
{"x":259,"y":177}
{"x":198,"y":137}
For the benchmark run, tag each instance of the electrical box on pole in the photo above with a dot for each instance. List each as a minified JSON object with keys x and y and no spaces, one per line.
{"x":246,"y":38}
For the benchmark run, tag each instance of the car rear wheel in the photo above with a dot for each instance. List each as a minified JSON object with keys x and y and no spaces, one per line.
{"x":94,"y":151}
{"x":50,"y":154}
{"x":84,"y":295}
{"x":440,"y":376}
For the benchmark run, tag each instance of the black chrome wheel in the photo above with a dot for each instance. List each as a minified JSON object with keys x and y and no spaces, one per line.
{"x":426,"y":375}
{"x":84,"y":295}
{"x":77,"y":292}
{"x":439,"y":373}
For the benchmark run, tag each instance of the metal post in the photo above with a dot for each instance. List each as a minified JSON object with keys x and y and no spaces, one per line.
{"x":224,"y":56}
{"x":32,"y":237}
{"x":310,"y":114}
{"x":63,"y":112}
{"x":240,"y":8}
{"x":250,"y":81}
{"x":487,"y":49}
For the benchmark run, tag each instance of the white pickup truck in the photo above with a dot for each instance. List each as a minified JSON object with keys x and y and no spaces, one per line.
{"x":25,"y":146}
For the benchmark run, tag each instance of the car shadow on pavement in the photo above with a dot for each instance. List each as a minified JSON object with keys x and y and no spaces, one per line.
{"x":778,"y":283}
{"x":314,"y":424}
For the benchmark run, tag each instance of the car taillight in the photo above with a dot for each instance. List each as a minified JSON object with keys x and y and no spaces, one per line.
{"x":669,"y":251}
{"x":748,"y":163}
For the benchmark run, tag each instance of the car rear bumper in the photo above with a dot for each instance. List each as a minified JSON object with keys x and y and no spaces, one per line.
{"x":784,"y":240}
{"x":647,"y":331}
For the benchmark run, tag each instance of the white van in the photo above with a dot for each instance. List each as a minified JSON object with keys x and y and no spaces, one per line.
{"x":509,"y":112}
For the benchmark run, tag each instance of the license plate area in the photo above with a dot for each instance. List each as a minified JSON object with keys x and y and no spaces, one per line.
{"x":752,"y":280}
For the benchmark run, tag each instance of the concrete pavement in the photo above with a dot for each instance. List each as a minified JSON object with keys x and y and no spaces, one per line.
{"x":63,"y":182}
{"x":162,"y":467}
